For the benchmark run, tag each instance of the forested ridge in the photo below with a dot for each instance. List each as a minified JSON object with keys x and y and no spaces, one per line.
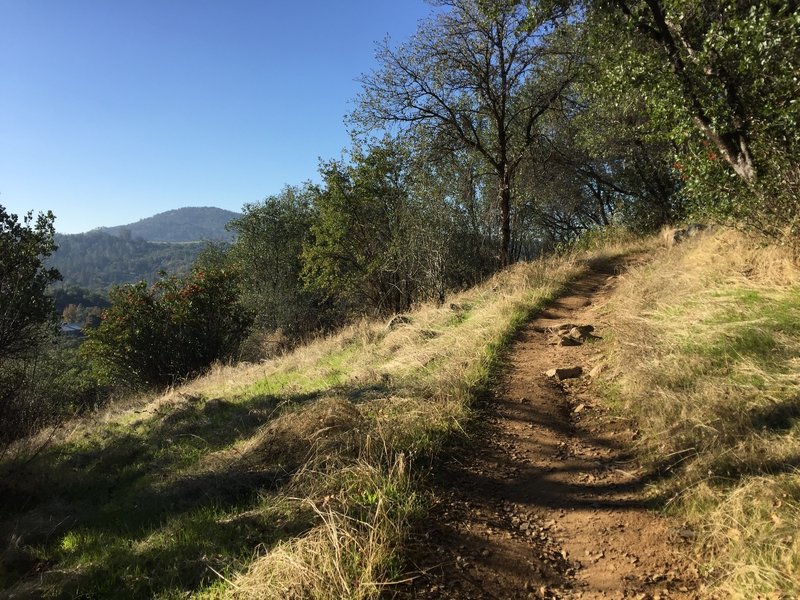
{"x":168,"y":242}
{"x":187,"y":224}
{"x":98,"y":261}
{"x":490,"y":151}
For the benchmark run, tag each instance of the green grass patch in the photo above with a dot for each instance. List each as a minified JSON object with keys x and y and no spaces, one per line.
{"x":747,"y":325}
{"x":178,"y":553}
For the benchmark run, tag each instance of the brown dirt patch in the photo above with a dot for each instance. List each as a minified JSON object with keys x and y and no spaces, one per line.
{"x":551,"y":503}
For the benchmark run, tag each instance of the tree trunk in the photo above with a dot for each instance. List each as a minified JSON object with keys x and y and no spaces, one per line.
{"x":505,"y":218}
{"x":734,"y":148}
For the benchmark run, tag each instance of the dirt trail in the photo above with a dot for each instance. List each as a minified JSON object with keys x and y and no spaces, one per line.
{"x":550,"y":503}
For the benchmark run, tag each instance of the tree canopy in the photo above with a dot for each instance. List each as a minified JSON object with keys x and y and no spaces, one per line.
{"x":479,"y":75}
{"x":25,"y":306}
{"x":719,"y":81}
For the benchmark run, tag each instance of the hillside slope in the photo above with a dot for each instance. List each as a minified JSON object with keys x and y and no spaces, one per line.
{"x":188,"y":224}
{"x":293,"y":477}
{"x":305,"y":476}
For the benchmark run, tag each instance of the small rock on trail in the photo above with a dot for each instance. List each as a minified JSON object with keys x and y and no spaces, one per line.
{"x":565,"y":373}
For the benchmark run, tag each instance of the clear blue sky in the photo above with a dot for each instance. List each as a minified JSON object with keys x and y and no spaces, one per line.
{"x":114,"y":110}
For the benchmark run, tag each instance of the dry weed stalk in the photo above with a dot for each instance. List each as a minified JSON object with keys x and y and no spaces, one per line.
{"x":349,"y":554}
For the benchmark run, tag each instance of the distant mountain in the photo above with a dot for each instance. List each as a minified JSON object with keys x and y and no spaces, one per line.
{"x":190,"y":224}
{"x":97,"y":260}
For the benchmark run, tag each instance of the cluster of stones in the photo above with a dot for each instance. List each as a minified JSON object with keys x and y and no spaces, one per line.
{"x":569,"y":334}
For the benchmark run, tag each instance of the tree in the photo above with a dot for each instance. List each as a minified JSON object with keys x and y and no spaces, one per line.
{"x":25,"y":306}
{"x":174,"y":329}
{"x":725,"y":62}
{"x":357,"y":252}
{"x":481,"y":74}
{"x":70,"y":313}
{"x":26,"y":318}
{"x":600,"y":166}
{"x":623,"y":167}
{"x":270,"y":237}
{"x":719,"y":79}
{"x":454,"y":229}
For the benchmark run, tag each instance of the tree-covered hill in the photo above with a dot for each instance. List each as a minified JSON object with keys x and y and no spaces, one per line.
{"x":97,"y":260}
{"x":188,"y":224}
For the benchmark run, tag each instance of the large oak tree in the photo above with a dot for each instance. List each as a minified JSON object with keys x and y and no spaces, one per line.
{"x":730,"y":64}
{"x":481,"y":74}
{"x":719,"y":80}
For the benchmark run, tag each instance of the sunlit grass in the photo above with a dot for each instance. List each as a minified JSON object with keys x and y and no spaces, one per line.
{"x":707,"y":349}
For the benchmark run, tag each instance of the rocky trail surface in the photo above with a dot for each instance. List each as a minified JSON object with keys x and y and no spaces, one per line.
{"x":551,"y":503}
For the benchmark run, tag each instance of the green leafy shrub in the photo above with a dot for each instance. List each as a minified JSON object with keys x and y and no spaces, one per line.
{"x":171,"y":330}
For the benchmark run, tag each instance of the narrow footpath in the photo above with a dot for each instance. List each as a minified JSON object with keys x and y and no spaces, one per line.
{"x":549,"y":502}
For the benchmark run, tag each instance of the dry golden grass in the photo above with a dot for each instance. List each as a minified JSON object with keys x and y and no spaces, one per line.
{"x":329,"y":425}
{"x":348,"y":554}
{"x":706,"y":347}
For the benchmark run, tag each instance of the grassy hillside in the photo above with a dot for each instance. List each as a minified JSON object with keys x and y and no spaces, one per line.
{"x":294,"y":477}
{"x":300,"y":476}
{"x":707,"y":355}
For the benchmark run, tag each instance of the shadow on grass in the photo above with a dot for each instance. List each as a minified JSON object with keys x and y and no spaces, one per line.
{"x":132,"y":512}
{"x":726,"y":467}
{"x":777,"y":418}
